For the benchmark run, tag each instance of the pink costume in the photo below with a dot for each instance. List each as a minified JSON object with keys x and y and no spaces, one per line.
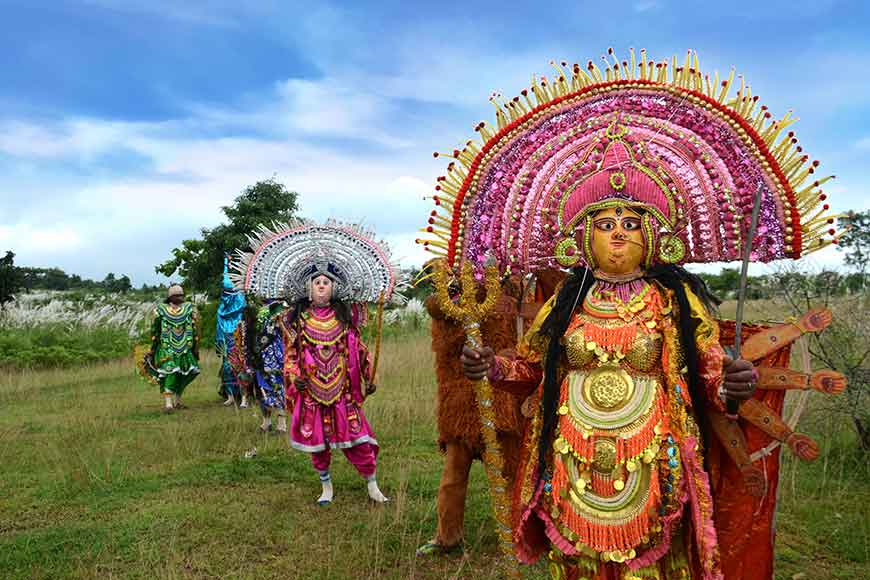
{"x":327,"y":414}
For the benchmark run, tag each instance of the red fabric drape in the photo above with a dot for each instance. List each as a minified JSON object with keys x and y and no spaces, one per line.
{"x":745,"y":524}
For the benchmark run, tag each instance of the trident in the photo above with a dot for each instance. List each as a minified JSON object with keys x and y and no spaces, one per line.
{"x":470,"y":314}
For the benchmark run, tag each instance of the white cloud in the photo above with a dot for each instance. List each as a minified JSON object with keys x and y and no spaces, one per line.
{"x":645,"y":5}
{"x":80,"y":138}
{"x":58,"y":239}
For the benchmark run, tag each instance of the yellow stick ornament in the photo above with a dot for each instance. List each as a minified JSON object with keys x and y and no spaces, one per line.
{"x":470,"y":314}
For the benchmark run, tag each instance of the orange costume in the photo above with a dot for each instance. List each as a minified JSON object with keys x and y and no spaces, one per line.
{"x":636,"y":465}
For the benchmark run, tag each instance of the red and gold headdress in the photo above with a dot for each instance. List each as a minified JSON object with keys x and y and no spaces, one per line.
{"x":667,"y":139}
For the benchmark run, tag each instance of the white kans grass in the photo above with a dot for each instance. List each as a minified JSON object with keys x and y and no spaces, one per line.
{"x":88,"y":311}
{"x":413,"y":313}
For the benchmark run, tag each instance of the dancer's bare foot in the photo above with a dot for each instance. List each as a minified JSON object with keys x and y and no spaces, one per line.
{"x":375,"y":493}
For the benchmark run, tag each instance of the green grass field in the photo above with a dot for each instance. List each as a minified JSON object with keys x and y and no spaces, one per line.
{"x":98,"y":483}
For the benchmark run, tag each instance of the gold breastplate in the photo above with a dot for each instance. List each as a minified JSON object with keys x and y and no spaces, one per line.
{"x":644,"y":353}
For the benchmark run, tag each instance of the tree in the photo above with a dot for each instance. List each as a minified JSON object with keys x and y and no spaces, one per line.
{"x":45,"y":279}
{"x":844,"y":346}
{"x":11,"y":279}
{"x":200,"y":261}
{"x":856,"y":241}
{"x":724,"y":284}
{"x":124,"y":284}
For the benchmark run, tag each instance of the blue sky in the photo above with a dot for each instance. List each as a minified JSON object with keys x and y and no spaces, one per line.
{"x":125,"y":125}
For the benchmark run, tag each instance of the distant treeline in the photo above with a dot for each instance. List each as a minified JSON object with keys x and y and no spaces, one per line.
{"x":57,"y":279}
{"x":726,"y":283}
{"x":15,"y":279}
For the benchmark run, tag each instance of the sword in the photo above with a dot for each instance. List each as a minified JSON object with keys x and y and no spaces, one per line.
{"x":732,"y":406}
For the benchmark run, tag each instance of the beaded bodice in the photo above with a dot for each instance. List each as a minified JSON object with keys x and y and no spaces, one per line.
{"x":613,"y":429}
{"x":324,"y":354}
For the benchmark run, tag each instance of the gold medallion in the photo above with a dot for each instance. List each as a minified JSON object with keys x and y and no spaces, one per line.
{"x":608,"y":388}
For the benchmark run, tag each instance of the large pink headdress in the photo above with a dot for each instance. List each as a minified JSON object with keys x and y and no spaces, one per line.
{"x":616,"y":179}
{"x":668,"y":139}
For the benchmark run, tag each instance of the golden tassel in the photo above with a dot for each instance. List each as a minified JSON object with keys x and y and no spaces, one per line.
{"x":633,"y":66}
{"x":723,"y":94}
{"x":596,"y":74}
{"x":485,"y":131}
{"x":643,"y":70}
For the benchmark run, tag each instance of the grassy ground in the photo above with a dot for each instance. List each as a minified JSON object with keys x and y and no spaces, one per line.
{"x":98,"y":483}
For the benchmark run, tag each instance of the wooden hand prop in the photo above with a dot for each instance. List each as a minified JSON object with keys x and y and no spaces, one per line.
{"x":769,"y":341}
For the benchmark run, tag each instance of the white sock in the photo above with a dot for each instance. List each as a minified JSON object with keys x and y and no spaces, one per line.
{"x":244,"y":404}
{"x":326,"y":483}
{"x":282,"y":423}
{"x":375,"y":492}
{"x":230,"y":401}
{"x":167,"y":400}
{"x":267,"y":422}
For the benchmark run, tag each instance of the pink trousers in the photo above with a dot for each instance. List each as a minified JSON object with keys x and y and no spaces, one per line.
{"x":364,"y":457}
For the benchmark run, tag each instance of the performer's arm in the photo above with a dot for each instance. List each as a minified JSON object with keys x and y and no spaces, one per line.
{"x":293,"y":381}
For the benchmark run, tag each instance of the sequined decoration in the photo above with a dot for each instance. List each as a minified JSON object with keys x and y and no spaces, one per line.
{"x":708,"y":152}
{"x":283,"y":259}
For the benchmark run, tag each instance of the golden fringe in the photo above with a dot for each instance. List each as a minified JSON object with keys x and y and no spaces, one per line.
{"x":796,"y":166}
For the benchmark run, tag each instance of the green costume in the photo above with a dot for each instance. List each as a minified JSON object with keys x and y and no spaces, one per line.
{"x":175,"y":346}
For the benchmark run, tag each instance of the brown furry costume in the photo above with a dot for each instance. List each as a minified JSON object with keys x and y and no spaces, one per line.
{"x":458,"y":417}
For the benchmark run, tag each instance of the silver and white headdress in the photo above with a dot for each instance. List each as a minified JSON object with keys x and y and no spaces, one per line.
{"x":285,"y":257}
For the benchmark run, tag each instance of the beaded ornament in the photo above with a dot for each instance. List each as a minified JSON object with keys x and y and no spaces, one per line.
{"x":663,"y":137}
{"x":284,"y":258}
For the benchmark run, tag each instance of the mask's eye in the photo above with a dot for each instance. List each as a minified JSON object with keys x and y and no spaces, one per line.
{"x":605,"y":225}
{"x":630,"y":224}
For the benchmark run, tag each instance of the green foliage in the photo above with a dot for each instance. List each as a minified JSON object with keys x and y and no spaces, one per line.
{"x":48,"y":346}
{"x":200,"y":261}
{"x":207,"y":323}
{"x":58,"y":280}
{"x":121,"y":285}
{"x":11,"y":279}
{"x":856,"y":240}
{"x":420,"y":290}
{"x":725,"y":284}
{"x":844,"y":346}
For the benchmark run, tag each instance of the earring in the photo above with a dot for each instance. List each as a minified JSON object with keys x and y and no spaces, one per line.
{"x":671,"y":249}
{"x":566,"y":252}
